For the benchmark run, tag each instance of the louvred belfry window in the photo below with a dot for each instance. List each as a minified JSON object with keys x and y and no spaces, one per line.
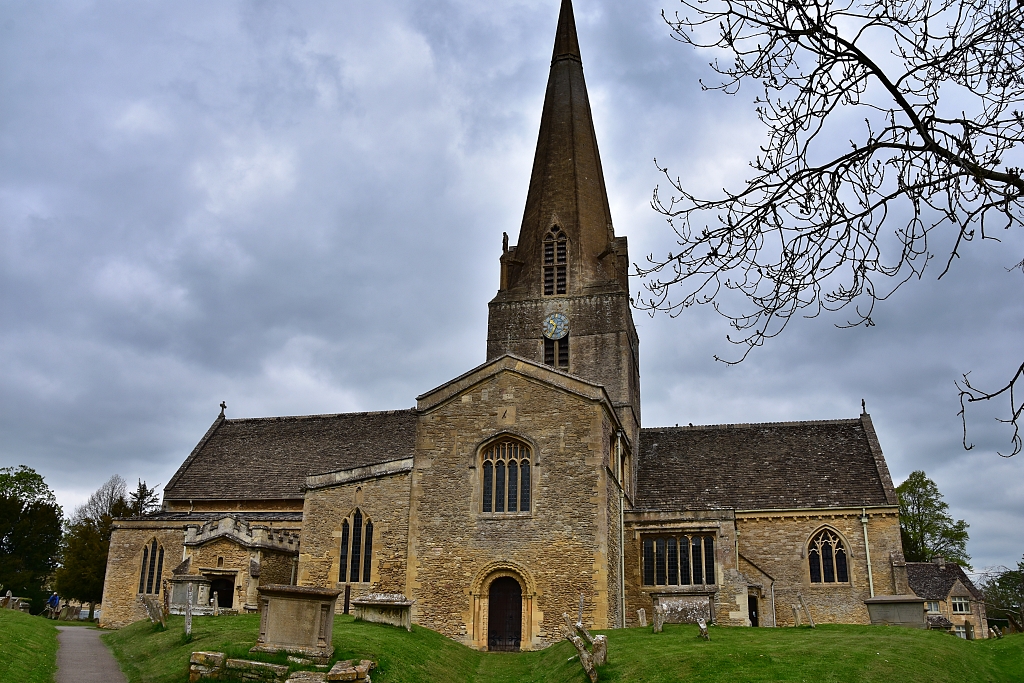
{"x":826,"y":559}
{"x":679,"y":560}
{"x":556,"y":261}
{"x":152,"y":568}
{"x":356,"y":549}
{"x":506,"y":477}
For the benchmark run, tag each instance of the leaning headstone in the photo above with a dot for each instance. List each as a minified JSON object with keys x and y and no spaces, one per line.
{"x":703,"y":625}
{"x":188,"y":613}
{"x":570,"y":632}
{"x":155,"y":611}
{"x":810,"y":619}
{"x":641,"y":616}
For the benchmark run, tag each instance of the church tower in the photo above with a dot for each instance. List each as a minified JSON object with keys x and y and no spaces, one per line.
{"x":564,"y":293}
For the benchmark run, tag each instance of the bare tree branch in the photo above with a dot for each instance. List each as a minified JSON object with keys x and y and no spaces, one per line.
{"x":813,"y":229}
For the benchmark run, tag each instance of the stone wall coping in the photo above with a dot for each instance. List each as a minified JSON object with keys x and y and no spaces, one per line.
{"x":641,"y":515}
{"x":893,"y":598}
{"x":353,"y":474}
{"x":845,"y":511}
{"x":281,"y":590}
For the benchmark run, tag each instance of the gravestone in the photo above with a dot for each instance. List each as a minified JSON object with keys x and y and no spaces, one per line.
{"x":298,"y":620}
{"x":384,"y":608}
{"x":641,"y":616}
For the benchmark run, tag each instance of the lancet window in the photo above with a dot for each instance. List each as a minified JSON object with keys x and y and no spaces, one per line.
{"x":506,"y":477}
{"x":556,"y":262}
{"x":679,"y":560}
{"x":152,"y":570}
{"x":556,"y":352}
{"x":356,"y":549}
{"x":826,"y":558}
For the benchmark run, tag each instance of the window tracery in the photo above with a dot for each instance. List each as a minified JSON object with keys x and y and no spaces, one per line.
{"x":152,"y":568}
{"x":826,"y":558}
{"x":356,"y":549}
{"x":506,"y":477}
{"x":679,"y":560}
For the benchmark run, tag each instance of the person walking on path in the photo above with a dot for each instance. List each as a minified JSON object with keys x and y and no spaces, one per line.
{"x":83,"y":658}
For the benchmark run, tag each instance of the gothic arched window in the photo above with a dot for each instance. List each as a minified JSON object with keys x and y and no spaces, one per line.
{"x":826,"y":558}
{"x":506,"y":477}
{"x":356,"y":549}
{"x":152,"y":568}
{"x":556,"y":261}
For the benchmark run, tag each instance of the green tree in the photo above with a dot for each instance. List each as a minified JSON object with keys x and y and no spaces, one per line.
{"x":30,"y":534}
{"x":86,"y":544}
{"x":926,"y":528}
{"x":143,"y":499}
{"x":1004,"y":595}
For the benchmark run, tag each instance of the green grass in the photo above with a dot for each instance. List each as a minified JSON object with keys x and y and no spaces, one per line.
{"x":828,"y":653}
{"x":28,"y":648}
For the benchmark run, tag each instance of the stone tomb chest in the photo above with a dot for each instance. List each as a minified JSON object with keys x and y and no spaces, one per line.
{"x":177,"y":588}
{"x":384,"y":608}
{"x":297,"y":619}
{"x":897,"y":610}
{"x":685,"y":608}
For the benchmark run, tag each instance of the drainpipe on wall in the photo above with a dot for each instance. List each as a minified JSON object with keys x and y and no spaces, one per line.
{"x":867,"y":549}
{"x":622,"y":533}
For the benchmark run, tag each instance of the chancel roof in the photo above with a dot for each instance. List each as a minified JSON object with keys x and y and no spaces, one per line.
{"x":933,"y":581}
{"x":270,"y":457}
{"x":777,"y":465}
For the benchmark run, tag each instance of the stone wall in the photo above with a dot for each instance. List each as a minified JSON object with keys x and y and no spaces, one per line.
{"x":557,"y":551}
{"x":121,"y":600}
{"x":385,"y":501}
{"x":776,"y":543}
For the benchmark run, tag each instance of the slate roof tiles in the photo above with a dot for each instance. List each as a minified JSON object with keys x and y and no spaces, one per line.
{"x":933,"y":581}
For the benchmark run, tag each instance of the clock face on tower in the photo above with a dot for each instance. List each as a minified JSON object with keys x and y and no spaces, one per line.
{"x":556,"y":326}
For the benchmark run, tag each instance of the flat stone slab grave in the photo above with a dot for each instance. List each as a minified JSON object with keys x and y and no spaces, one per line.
{"x":83,"y":658}
{"x":298,"y":620}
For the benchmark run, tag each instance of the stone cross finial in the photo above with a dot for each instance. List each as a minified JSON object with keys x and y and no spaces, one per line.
{"x":223,"y":407}
{"x":504,"y":243}
{"x":863,"y":407}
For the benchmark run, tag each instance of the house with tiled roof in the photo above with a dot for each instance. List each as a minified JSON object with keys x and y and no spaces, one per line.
{"x":528,"y":486}
{"x":952,"y":601}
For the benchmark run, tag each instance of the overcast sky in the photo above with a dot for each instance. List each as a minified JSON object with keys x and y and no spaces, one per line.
{"x":297,"y":207}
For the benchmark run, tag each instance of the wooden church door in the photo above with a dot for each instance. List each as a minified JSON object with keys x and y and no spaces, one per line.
{"x":504,"y":615}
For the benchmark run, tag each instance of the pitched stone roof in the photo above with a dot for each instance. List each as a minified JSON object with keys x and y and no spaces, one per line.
{"x":775,"y":465}
{"x":270,"y":457}
{"x":933,"y":581}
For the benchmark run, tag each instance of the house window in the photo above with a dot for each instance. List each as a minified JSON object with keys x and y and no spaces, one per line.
{"x":152,"y":568}
{"x":556,"y":352}
{"x":961,"y":605}
{"x":555,"y":262}
{"x":356,"y":549}
{"x":506,"y":477}
{"x":960,"y":632}
{"x":679,"y":560}
{"x":826,"y":558}
{"x":932,"y":606}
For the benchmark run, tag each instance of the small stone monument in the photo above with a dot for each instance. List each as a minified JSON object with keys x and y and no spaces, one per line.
{"x":298,"y":620}
{"x":384,"y":608}
{"x":641,"y":616}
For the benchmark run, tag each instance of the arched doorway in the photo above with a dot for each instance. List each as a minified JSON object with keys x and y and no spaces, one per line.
{"x":225,"y":590}
{"x":504,"y":615}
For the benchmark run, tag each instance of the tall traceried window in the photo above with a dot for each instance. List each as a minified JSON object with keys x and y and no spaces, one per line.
{"x":356,"y":555}
{"x":826,"y":558}
{"x":152,"y":568}
{"x":679,"y":560}
{"x":556,"y":261}
{"x":506,"y":477}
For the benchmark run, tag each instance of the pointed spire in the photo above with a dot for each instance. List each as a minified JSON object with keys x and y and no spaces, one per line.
{"x":567,"y":185}
{"x":566,"y":43}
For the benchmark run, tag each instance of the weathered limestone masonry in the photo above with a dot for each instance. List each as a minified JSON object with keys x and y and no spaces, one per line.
{"x":121,"y":604}
{"x":775,"y":542}
{"x":557,"y":550}
{"x":381,"y":494}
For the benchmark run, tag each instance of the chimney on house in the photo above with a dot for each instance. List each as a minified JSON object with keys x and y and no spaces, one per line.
{"x":939,"y":560}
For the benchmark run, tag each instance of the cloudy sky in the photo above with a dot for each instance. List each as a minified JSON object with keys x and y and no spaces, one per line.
{"x":297,"y":207}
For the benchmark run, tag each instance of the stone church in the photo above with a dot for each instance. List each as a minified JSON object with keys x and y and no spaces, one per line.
{"x":527,"y":486}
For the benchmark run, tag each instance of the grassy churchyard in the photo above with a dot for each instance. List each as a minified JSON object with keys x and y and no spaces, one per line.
{"x":828,"y":653}
{"x":28,"y":648}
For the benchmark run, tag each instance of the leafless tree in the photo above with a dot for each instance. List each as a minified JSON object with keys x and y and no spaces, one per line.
{"x":106,"y":501}
{"x":821,"y":226}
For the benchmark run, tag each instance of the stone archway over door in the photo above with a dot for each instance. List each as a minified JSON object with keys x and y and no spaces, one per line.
{"x":505,"y":615}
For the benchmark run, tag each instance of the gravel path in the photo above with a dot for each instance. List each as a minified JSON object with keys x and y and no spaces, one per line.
{"x":83,"y":658}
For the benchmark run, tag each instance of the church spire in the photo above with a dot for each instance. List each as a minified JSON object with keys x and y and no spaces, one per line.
{"x":567,"y":187}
